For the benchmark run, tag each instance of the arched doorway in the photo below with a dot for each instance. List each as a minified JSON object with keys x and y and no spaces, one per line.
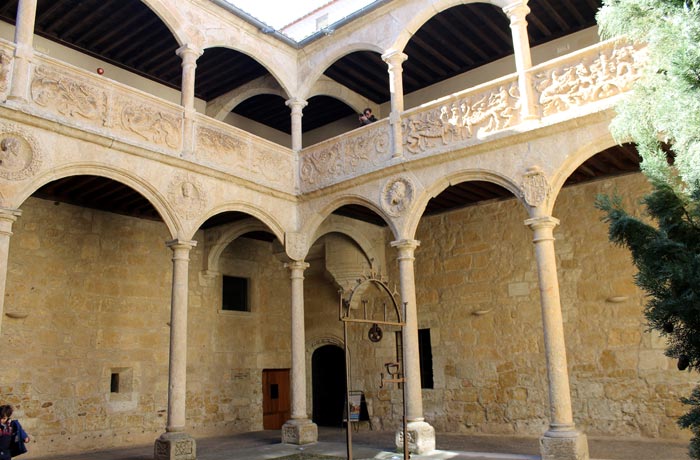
{"x":328,"y":383}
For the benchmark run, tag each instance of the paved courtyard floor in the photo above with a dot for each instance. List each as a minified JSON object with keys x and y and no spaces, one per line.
{"x":379,"y":445}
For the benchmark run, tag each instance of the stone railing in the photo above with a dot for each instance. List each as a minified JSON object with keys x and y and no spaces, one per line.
{"x":348,"y":155}
{"x":79,"y":98}
{"x":237,"y":152}
{"x":585,"y":77}
{"x":568,"y":87}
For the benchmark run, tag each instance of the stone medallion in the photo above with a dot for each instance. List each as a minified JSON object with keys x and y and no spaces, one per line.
{"x":397,"y":196}
{"x":20,"y":156}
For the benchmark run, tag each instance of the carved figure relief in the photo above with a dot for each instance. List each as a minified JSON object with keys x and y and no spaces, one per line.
{"x":5,"y":62}
{"x":69,"y":97}
{"x":535,"y":187}
{"x":242,"y":155}
{"x":19,"y":154}
{"x":151,"y":124}
{"x":397,"y":196}
{"x":187,"y":196}
{"x":572,"y":85}
{"x":350,"y":155}
{"x":462,"y":119}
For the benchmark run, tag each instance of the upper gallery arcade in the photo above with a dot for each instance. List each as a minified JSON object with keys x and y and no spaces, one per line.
{"x":240,"y":149}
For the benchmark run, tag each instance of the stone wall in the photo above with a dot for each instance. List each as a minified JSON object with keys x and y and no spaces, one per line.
{"x":95,"y":289}
{"x":477,"y":291}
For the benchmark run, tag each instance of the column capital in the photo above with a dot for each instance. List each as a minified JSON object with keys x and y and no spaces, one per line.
{"x":517,"y":11}
{"x":296,"y":104}
{"x":296,"y":265}
{"x":394,"y":58}
{"x":536,"y":223}
{"x":188,"y":52}
{"x":405,"y":243}
{"x":7,"y":218}
{"x":181,"y":244}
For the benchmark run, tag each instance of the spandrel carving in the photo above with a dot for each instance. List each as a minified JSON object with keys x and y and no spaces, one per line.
{"x":19,"y":154}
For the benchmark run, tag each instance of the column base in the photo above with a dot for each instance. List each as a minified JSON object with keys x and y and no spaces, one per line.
{"x":175,"y":446}
{"x":421,"y":438}
{"x":299,"y":431}
{"x":564,"y":445}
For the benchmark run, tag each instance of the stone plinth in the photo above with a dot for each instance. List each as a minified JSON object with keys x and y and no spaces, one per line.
{"x":421,"y":438}
{"x":175,"y":446}
{"x":299,"y":432}
{"x":569,"y":445}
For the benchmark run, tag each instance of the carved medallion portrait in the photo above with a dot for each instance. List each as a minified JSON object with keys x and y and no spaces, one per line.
{"x":397,"y":196}
{"x":187,"y":196}
{"x":19,"y":154}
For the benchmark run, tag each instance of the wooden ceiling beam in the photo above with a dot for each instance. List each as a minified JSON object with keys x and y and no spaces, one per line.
{"x":555,"y":15}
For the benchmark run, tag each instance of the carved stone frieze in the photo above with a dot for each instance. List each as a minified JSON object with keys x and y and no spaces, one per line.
{"x":243,"y":155}
{"x":462,"y":118}
{"x":20,"y":156}
{"x":397,"y":195}
{"x":151,"y":124}
{"x":535,"y":187}
{"x":187,"y":196}
{"x":349,"y":155}
{"x":577,"y":83}
{"x":68,"y":96}
{"x":5,"y":63}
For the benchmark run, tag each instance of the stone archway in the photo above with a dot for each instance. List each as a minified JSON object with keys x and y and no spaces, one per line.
{"x":328,"y":385}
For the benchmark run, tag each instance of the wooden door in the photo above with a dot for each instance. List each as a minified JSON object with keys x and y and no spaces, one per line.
{"x":276,"y":398}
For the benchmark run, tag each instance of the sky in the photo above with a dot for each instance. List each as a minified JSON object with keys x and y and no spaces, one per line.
{"x":277,"y":13}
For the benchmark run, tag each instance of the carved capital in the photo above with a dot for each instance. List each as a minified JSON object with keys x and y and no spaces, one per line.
{"x":189,"y":53}
{"x":296,"y":104}
{"x":517,"y":12}
{"x":394,"y":59}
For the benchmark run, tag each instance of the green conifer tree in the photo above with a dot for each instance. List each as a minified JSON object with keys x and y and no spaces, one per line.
{"x":664,"y":110}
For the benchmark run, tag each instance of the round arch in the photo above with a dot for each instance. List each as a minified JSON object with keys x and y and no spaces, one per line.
{"x":324,"y":86}
{"x":416,"y":212}
{"x":270,"y":223}
{"x":153,"y":195}
{"x":285,"y":78}
{"x":317,"y":68}
{"x":426,"y":13}
{"x":232,"y":232}
{"x":172,"y":20}
{"x":351,"y":232}
{"x":573,"y":161}
{"x":223,"y":105}
{"x":315,"y":222}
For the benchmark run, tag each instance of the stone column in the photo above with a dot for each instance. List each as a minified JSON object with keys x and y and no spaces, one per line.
{"x":189,"y":55}
{"x":517,"y":12}
{"x":561,"y":441}
{"x":7,"y":218}
{"x":298,"y":430}
{"x":421,"y":436}
{"x":175,"y":444}
{"x":24,"y":39}
{"x":394,"y":60}
{"x":297,"y":105}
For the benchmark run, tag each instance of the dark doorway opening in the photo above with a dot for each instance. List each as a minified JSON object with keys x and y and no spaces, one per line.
{"x":328,"y":383}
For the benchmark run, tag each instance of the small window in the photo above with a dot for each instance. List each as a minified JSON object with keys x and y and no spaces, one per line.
{"x":114,"y":383}
{"x":235,"y":294}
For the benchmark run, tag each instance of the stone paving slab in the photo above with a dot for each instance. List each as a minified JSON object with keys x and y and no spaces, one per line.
{"x":265,"y":445}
